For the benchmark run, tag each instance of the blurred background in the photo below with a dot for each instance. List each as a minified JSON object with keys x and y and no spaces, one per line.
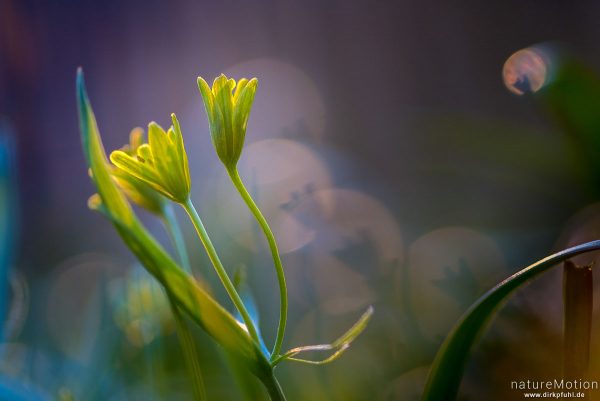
{"x":395,"y":166}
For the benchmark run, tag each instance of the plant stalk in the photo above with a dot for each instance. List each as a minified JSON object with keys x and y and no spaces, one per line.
{"x":273,"y":388}
{"x":190,"y":353}
{"x":283,"y":305}
{"x":186,"y":340}
{"x":221,"y":272}
{"x":578,"y":301}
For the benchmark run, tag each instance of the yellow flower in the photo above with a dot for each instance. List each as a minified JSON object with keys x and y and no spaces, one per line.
{"x":161,"y":163}
{"x":228,"y":113}
{"x":135,"y":189}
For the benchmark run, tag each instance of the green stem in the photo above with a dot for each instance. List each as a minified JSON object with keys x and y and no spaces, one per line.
{"x":174,"y":231}
{"x":214,"y":258}
{"x":190,"y":353}
{"x":273,"y":388}
{"x":283,"y":306}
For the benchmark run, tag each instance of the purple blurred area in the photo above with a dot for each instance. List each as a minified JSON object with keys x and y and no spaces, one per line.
{"x":377,"y":67}
{"x":383,"y":147}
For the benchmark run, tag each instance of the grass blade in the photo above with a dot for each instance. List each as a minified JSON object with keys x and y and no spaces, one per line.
{"x":449,"y":364}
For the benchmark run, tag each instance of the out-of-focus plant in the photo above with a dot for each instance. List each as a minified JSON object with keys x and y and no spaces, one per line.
{"x":12,"y":387}
{"x":150,"y":195}
{"x":154,"y":175}
{"x":449,"y":364}
{"x":567,"y":88}
{"x":571,"y":92}
{"x":142,"y":310}
{"x":8,"y":213}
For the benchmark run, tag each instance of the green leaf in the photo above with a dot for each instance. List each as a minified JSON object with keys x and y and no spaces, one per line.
{"x":338,"y":347}
{"x":111,"y":196}
{"x":572,"y":94}
{"x":448,"y":366}
{"x":194,"y":300}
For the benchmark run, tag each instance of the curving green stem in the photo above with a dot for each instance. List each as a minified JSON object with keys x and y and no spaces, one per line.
{"x":273,"y":388}
{"x":190,"y":353}
{"x":214,"y":258}
{"x":239,"y":185}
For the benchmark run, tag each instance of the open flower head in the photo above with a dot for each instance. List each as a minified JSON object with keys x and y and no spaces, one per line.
{"x":228,"y":107}
{"x":137,"y":190}
{"x":161,"y":163}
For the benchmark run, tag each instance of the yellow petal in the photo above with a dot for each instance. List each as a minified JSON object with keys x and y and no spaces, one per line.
{"x":136,"y":138}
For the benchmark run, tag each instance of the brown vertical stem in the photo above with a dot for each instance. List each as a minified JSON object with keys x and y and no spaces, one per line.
{"x":578,"y":303}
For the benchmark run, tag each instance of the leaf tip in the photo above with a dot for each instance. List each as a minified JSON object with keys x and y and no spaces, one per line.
{"x":81,"y":91}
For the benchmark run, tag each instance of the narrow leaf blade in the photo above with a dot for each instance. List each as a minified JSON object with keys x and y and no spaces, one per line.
{"x":448,"y":366}
{"x":338,"y":347}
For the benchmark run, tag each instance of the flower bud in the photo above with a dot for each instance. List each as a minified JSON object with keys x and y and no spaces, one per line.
{"x":228,"y":108}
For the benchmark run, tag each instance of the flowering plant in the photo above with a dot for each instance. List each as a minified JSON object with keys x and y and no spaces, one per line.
{"x":156,"y":173}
